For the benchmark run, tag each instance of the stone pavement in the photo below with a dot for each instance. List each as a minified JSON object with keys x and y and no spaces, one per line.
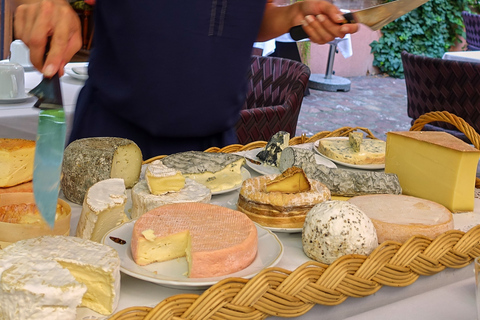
{"x":375,"y":102}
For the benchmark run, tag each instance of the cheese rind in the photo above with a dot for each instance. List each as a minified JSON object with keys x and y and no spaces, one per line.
{"x":434,"y":166}
{"x":16,"y":161}
{"x":217,"y":171}
{"x":336,"y":228}
{"x":295,"y":157}
{"x":103,"y":209}
{"x":399,"y":217}
{"x":49,"y":276}
{"x":342,"y":182}
{"x":90,"y":160}
{"x":143,"y":200}
{"x":223,"y":240}
{"x":372,"y":151}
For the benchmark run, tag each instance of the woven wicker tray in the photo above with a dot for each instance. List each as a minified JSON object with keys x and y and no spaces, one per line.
{"x":284,"y":293}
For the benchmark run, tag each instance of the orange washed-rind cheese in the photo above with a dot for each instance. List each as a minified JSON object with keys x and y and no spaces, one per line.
{"x":215,"y":240}
{"x":399,"y":217}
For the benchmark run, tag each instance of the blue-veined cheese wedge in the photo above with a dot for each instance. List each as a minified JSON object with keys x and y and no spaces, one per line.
{"x":372,"y":151}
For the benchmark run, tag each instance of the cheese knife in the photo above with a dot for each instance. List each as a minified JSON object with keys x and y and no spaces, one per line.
{"x":374,"y":17}
{"x":50,"y":143}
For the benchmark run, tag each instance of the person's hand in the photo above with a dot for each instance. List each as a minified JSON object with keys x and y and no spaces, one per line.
{"x":35,"y":23}
{"x":322,"y":21}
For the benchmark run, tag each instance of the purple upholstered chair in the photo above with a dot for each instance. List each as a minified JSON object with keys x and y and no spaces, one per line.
{"x":275,"y":91}
{"x":472,"y":30}
{"x":442,"y":85}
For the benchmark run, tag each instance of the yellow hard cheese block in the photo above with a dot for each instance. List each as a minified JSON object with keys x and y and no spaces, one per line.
{"x":434,"y":166}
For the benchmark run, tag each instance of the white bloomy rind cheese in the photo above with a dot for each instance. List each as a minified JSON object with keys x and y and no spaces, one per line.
{"x":400,"y":217}
{"x":103,"y":209}
{"x":434,"y":166}
{"x":336,"y":228}
{"x":50,"y":276}
{"x":162,"y":179}
{"x":16,"y":161}
{"x":143,"y":200}
{"x":90,"y":160}
{"x":215,"y":240}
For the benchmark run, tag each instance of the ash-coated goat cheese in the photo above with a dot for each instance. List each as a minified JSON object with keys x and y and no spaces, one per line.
{"x":336,"y":228}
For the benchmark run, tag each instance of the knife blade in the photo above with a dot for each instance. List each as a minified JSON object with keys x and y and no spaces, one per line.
{"x":374,"y":17}
{"x":50,"y":143}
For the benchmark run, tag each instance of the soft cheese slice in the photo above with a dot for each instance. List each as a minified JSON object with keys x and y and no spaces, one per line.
{"x":434,"y":166}
{"x":399,"y":217}
{"x":103,"y":209}
{"x":215,"y":240}
{"x":162,"y":179}
{"x":217,"y":171}
{"x":48,"y":277}
{"x":292,"y":180}
{"x":87,"y":161}
{"x":336,"y":228}
{"x":372,"y":151}
{"x":143,"y":200}
{"x":16,"y":161}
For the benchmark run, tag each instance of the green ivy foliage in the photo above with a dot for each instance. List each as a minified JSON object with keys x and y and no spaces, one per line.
{"x":429,"y":30}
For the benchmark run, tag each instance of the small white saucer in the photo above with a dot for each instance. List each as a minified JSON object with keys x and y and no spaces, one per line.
{"x":15,"y":100}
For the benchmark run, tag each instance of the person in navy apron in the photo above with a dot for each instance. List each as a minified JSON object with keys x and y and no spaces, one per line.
{"x":168,"y":75}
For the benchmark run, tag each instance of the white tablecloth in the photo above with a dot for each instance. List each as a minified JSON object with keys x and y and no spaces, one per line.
{"x":469,"y":56}
{"x":20,"y":120}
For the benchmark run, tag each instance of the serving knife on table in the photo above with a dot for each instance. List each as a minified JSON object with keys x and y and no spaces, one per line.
{"x":374,"y":17}
{"x":50,"y":143}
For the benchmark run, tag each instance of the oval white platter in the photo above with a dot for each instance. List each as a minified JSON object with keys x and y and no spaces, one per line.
{"x":266,"y":169}
{"x":173,"y":273}
{"x":350,"y":165}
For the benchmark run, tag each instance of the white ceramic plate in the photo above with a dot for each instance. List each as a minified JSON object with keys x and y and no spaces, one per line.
{"x":356,"y":166}
{"x":245,"y":175}
{"x":284,"y":230}
{"x":77,"y":70}
{"x":172,"y":273}
{"x":16,"y":100}
{"x":266,"y":169}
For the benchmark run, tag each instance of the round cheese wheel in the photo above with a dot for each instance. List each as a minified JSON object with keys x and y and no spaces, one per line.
{"x":336,"y":228}
{"x":399,"y":217}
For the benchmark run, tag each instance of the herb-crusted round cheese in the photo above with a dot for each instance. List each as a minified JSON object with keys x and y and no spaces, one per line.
{"x":90,"y":160}
{"x":336,"y":228}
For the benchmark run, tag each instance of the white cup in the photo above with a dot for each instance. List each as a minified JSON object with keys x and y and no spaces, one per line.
{"x":12,"y":81}
{"x":19,"y":53}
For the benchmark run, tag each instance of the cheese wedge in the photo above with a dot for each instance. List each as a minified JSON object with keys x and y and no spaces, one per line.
{"x":292,"y":180}
{"x":355,"y":139}
{"x":162,"y":179}
{"x":399,"y":217}
{"x":103,"y":209}
{"x":434,"y":166}
{"x":16,"y":161}
{"x":215,"y":240}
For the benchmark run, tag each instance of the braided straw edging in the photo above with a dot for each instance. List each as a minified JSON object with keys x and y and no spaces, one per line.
{"x":283,"y":293}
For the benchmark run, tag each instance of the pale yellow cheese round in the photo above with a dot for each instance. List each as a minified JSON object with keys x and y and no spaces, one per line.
{"x":399,"y":217}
